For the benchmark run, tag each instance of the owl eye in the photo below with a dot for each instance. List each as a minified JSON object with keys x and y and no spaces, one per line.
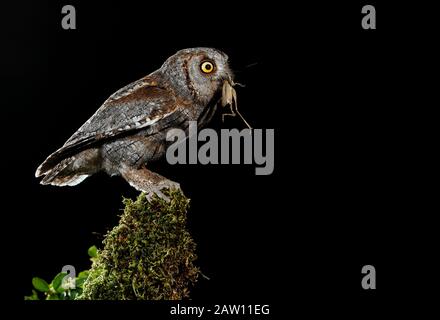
{"x":207,"y":67}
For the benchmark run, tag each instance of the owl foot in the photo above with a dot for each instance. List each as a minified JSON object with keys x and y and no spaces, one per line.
{"x":149,"y":182}
{"x":164,"y":184}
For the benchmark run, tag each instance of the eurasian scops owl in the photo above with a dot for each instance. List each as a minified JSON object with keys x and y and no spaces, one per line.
{"x":129,"y":130}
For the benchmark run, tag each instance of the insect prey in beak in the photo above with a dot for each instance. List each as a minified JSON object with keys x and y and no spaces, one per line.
{"x":229,"y":97}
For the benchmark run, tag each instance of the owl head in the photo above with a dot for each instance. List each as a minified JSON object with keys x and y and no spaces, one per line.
{"x":197,"y":73}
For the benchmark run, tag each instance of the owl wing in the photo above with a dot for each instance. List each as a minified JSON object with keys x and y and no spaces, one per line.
{"x":140,"y":105}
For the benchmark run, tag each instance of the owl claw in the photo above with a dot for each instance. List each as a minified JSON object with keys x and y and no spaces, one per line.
{"x":157,"y":193}
{"x":168,"y":184}
{"x":165,"y":184}
{"x":149,"y":182}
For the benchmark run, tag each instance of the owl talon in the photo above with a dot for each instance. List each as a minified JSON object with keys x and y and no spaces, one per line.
{"x":163,"y":185}
{"x":157,"y":193}
{"x":149,"y":182}
{"x":168,"y":184}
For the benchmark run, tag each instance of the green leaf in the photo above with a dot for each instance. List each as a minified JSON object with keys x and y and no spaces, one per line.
{"x":34,"y":296}
{"x":40,"y":284}
{"x":52,"y":297}
{"x":93,"y":252}
{"x":82,"y":277}
{"x":56,"y":282}
{"x":80,"y":281}
{"x":73,"y":294}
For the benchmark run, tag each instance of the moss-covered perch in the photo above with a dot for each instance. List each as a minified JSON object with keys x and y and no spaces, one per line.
{"x":148,"y":255}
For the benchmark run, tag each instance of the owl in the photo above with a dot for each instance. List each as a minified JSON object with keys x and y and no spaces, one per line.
{"x":129,"y":130}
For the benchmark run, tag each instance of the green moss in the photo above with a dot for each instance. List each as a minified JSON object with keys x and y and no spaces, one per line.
{"x":148,"y":255}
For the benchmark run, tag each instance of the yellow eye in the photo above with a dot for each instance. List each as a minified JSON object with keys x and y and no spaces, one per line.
{"x":207,"y":67}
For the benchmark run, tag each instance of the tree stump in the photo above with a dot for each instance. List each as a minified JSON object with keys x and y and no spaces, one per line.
{"x":149,"y":255}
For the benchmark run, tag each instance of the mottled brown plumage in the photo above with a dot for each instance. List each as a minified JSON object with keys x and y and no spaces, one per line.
{"x":129,"y":130}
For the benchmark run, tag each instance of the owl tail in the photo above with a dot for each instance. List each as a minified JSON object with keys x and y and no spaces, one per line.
{"x":63,"y":174}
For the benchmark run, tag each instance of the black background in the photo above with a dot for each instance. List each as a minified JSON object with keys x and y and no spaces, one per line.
{"x":342,"y":194}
